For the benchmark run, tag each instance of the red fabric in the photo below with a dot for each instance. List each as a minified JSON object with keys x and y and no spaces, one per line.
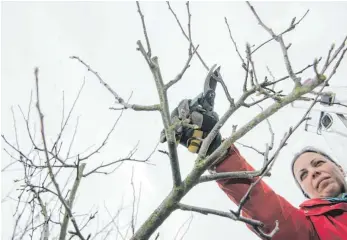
{"x":316,"y":219}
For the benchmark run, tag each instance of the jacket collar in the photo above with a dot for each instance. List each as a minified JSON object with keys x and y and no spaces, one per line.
{"x":324,"y":201}
{"x":314,"y":202}
{"x":318,"y":206}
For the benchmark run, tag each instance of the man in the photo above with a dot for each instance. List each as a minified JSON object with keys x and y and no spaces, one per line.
{"x":322,"y":217}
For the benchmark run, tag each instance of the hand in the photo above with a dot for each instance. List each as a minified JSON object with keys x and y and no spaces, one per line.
{"x":189,"y":137}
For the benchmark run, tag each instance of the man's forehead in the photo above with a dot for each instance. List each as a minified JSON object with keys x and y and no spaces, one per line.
{"x":306,"y":159}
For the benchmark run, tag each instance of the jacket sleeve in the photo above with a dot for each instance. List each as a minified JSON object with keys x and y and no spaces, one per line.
{"x":264,"y":204}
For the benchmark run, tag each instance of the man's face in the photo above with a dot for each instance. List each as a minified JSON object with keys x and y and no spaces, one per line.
{"x":318,"y":176}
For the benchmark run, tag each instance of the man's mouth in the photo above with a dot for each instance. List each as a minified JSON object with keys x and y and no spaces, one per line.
{"x":321,"y":181}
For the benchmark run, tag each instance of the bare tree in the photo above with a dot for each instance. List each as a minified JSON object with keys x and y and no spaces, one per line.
{"x":41,"y":179}
{"x":51,"y":178}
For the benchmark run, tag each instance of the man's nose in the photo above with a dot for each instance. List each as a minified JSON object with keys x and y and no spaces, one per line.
{"x":315,"y":174}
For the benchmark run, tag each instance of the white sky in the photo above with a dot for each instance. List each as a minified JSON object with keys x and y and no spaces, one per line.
{"x":104,"y":35}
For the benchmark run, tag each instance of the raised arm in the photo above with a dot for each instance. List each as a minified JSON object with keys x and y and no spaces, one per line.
{"x":264,"y":204}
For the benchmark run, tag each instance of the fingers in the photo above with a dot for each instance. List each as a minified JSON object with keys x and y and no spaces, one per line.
{"x":183,"y":109}
{"x":197,"y":118}
{"x":205,"y":120}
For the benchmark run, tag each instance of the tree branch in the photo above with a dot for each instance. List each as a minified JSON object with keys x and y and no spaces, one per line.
{"x":120,"y":100}
{"x":149,"y":52}
{"x":180,"y":75}
{"x":50,"y":170}
{"x":186,"y":36}
{"x":105,"y":140}
{"x":279,"y":39}
{"x":95,"y":170}
{"x":256,"y":224}
{"x":230,"y":175}
{"x":166,"y":118}
{"x":169,"y":204}
{"x":232,"y":39}
{"x":63,"y":229}
{"x":291,"y":27}
{"x":190,"y":31}
{"x":286,"y":77}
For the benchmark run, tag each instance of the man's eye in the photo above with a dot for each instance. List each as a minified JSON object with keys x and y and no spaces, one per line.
{"x":303,"y":175}
{"x":318,"y":163}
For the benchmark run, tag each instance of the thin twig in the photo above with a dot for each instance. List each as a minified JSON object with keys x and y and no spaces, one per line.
{"x":105,"y":140}
{"x":251,"y":147}
{"x":225,"y":88}
{"x":272,"y":134}
{"x":133,"y":203}
{"x":285,"y":31}
{"x":149,"y":52}
{"x":50,"y":170}
{"x":190,"y":31}
{"x":279,"y":39}
{"x":128,"y":158}
{"x":337,"y":51}
{"x":72,"y":140}
{"x":180,"y":75}
{"x":232,"y":39}
{"x":230,"y":215}
{"x":120,"y":100}
{"x":15,"y":127}
{"x":249,"y":57}
{"x":246,"y":77}
{"x":286,"y":77}
{"x":68,"y":117}
{"x":189,"y":220}
{"x":186,"y":36}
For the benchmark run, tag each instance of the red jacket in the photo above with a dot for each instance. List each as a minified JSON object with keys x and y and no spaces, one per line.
{"x":316,"y":219}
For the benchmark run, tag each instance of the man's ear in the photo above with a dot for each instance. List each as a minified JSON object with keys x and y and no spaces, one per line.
{"x":341,"y":169}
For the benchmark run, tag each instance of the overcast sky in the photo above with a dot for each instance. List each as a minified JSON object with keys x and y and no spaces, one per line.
{"x":104,"y":35}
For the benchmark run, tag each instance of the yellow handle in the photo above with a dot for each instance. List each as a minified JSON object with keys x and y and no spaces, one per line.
{"x":194,"y":145}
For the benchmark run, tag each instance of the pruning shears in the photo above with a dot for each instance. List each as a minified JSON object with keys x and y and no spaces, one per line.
{"x":204,"y":102}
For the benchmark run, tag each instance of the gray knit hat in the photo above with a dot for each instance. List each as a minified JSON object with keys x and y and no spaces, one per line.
{"x":306,"y":150}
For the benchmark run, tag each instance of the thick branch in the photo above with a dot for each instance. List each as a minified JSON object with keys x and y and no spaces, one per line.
{"x":166,"y":118}
{"x":165,"y":114}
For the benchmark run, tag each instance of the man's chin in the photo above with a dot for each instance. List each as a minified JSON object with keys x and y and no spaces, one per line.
{"x":331,"y":190}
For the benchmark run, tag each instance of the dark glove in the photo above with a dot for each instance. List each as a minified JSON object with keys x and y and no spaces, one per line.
{"x":189,"y":137}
